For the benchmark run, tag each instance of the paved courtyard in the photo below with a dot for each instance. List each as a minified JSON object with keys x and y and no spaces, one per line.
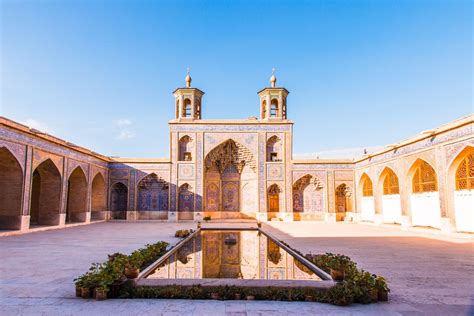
{"x":427,"y":276}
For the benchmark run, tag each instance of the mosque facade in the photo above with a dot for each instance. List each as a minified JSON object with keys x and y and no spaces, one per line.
{"x":237,"y":169}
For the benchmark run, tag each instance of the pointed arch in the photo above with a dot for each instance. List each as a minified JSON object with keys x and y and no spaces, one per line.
{"x":464,"y":164}
{"x":153,"y":193}
{"x":11,"y":187}
{"x":274,"y":149}
{"x":343,"y":199}
{"x":45,"y":194}
{"x":461,"y":190}
{"x":76,"y":207}
{"x":389,"y":181}
{"x":423,"y":177}
{"x":119,"y":201}
{"x":230,"y":152}
{"x":308,"y":195}
{"x":274,"y":200}
{"x":98,"y":197}
{"x":274,"y":108}
{"x":366,"y":183}
{"x":264,"y":109}
{"x":424,"y":200}
{"x":187,"y":110}
{"x":185,"y":148}
{"x":390,"y":205}
{"x":185,"y":198}
{"x":230,"y":181}
{"x":367,"y":200}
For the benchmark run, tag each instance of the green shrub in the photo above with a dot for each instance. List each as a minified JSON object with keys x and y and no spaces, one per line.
{"x":359,"y":285}
{"x":104,"y":275}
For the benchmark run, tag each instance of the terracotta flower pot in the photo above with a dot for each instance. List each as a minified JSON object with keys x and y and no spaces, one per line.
{"x":215,"y":296}
{"x":132,"y":273}
{"x":85,"y":292}
{"x":78,"y":291}
{"x":250,"y":297}
{"x":308,"y":298}
{"x":100,"y":294}
{"x":238,"y":296}
{"x":382,"y":295}
{"x":338,"y":275}
{"x":374,"y":295}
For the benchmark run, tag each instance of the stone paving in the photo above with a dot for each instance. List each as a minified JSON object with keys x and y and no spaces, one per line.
{"x":427,"y":276}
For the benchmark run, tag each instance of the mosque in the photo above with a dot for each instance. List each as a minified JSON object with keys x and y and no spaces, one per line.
{"x":237,"y":169}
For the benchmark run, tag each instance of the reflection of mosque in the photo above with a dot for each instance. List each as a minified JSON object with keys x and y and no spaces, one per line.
{"x":246,"y":254}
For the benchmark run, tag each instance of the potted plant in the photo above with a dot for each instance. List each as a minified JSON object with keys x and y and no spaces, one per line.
{"x":131,"y":271}
{"x":206,"y":218}
{"x":382,"y":289}
{"x":101,"y":293}
{"x":338,"y":265}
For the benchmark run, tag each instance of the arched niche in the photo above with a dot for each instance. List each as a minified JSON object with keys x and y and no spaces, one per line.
{"x":45,"y":195}
{"x":274,"y":149}
{"x":186,"y":146}
{"x":98,"y":198}
{"x":119,"y":201}
{"x":11,"y":187}
{"x":367,"y":199}
{"x":153,"y":194}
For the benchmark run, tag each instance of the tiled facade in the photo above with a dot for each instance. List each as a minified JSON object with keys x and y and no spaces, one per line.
{"x":235,"y":169}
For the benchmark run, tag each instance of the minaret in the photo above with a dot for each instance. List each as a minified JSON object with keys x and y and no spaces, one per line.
{"x":188,"y":101}
{"x":273,"y":101}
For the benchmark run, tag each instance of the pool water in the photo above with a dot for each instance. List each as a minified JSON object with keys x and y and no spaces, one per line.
{"x":233,"y":254}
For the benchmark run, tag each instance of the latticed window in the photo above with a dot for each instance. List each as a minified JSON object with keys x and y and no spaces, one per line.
{"x":367,"y":186}
{"x":424,"y":179}
{"x":465,"y":173}
{"x":390,"y":183}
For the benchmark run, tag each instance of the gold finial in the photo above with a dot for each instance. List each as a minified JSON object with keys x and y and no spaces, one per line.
{"x":188,"y":79}
{"x":273,"y":79}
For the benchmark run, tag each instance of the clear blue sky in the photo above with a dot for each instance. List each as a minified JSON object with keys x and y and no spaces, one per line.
{"x":360,"y":73}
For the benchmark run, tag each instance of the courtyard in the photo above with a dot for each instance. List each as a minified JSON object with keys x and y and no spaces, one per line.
{"x":427,"y":275}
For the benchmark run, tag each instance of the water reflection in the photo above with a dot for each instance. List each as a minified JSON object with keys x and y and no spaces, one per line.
{"x":244,"y":254}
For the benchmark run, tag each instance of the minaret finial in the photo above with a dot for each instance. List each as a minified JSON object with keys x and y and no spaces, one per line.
{"x":188,"y":79}
{"x":273,"y":79}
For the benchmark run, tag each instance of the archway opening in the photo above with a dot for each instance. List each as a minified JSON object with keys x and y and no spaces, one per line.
{"x":367,"y":201}
{"x":11,"y":184}
{"x":76,"y":207}
{"x":187,"y":111}
{"x":343,"y":201}
{"x":425,"y":206}
{"x":119,"y":201}
{"x":391,"y":206}
{"x":230,"y":182}
{"x":274,"y":108}
{"x":98,"y":198}
{"x":45,"y":195}
{"x":464,"y":190}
